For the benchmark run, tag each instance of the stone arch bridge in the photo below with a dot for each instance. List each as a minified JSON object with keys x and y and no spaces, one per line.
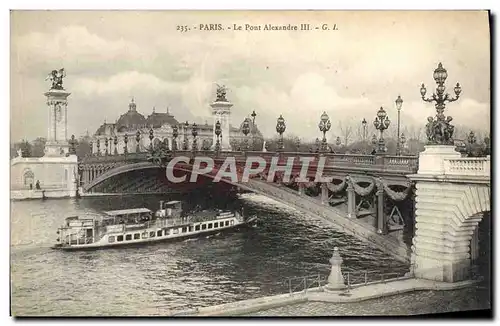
{"x":372,"y":197}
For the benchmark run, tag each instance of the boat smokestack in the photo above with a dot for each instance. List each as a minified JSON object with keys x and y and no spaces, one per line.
{"x":161,"y":204}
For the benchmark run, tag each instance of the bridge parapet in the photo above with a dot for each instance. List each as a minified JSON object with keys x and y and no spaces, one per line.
{"x":403,"y":164}
{"x":470,"y":166}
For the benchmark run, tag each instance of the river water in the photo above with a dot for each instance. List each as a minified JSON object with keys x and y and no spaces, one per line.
{"x":160,"y":278}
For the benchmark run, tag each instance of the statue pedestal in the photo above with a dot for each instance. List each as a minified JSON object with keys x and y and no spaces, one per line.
{"x":336,"y":279}
{"x":57,"y":131}
{"x":431,"y":160}
{"x":56,"y":149}
{"x":221,"y":112}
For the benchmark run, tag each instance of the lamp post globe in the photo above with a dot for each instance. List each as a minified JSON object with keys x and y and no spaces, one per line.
{"x":245,"y":129}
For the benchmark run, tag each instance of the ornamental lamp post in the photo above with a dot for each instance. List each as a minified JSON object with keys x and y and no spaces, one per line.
{"x":91,"y":144}
{"x":125,"y":147}
{"x":439,"y":129}
{"x":98,"y":147}
{"x":110,"y":143}
{"x":151,"y":137}
{"x":246,"y":130}
{"x":399,"y":104}
{"x":364,"y":124}
{"x":280,"y":128}
{"x":324,"y":126}
{"x":403,"y":142}
{"x":72,"y":142}
{"x":253,"y":115}
{"x":137,"y":141}
{"x":115,"y":141}
{"x":374,"y":140}
{"x":185,"y":143}
{"x":175,"y":134}
{"x":218,"y":132}
{"x":381,"y":123}
{"x":194,"y":132}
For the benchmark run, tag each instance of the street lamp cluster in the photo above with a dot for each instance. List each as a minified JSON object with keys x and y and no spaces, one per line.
{"x":381,"y":123}
{"x":439,"y":129}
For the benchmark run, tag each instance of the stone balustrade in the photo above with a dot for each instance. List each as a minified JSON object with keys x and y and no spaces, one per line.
{"x":384,"y":162}
{"x":470,"y":166}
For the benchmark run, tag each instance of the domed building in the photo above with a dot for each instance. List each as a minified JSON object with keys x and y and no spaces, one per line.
{"x":132,"y":132}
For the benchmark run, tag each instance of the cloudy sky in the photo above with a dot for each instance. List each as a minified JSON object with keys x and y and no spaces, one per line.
{"x":372,"y":58}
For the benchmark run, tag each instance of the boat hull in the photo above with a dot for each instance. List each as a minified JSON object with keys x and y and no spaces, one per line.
{"x":149,"y":241}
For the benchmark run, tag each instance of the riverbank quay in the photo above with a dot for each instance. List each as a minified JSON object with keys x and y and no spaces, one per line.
{"x":312,"y":296}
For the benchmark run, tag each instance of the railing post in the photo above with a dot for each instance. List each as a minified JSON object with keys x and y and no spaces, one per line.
{"x":366,"y":277}
{"x":348,"y":280}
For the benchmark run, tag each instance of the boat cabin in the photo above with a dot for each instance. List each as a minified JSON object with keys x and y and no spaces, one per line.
{"x":127,"y":216}
{"x":171,"y":209}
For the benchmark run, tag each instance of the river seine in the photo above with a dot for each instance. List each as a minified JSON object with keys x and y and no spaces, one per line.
{"x":160,"y":278}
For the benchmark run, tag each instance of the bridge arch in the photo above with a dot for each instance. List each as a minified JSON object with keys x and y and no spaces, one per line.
{"x":447,"y":217}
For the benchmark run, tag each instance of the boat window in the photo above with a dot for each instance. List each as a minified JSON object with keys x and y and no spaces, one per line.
{"x":209,"y":225}
{"x":197,"y":228}
{"x":128,"y":237}
{"x":227,"y":223}
{"x":158,"y":233}
{"x":190,"y":228}
{"x":184,"y":229}
{"x":137,"y":236}
{"x":144,"y":235}
{"x":119,"y":238}
{"x":166,"y":232}
{"x":175,"y":231}
{"x":203,"y":226}
{"x":111,"y":238}
{"x":152,"y":234}
{"x":216,"y":225}
{"x":232,"y":222}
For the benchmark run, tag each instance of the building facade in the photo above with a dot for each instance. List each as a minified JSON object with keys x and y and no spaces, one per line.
{"x":133,"y":132}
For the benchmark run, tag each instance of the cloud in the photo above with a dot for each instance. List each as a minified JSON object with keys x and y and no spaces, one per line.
{"x":111,"y":56}
{"x":127,"y":82}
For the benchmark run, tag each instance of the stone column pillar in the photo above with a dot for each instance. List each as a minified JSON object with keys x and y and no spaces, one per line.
{"x":324,"y":194}
{"x":351,"y":199}
{"x":381,"y":225}
{"x":336,"y":279}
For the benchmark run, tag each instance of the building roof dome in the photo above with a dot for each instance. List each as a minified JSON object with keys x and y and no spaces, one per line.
{"x":131,"y":119}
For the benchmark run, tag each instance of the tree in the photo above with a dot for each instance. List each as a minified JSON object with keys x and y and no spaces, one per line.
{"x":38,"y":147}
{"x":26,"y":148}
{"x":346,"y":131}
{"x":83,"y":147}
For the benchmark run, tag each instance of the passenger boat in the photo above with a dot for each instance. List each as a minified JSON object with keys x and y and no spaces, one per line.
{"x":141,"y":225}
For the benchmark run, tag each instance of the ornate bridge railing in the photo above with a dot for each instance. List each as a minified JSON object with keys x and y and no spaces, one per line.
{"x":384,"y":162}
{"x":470,"y":166}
